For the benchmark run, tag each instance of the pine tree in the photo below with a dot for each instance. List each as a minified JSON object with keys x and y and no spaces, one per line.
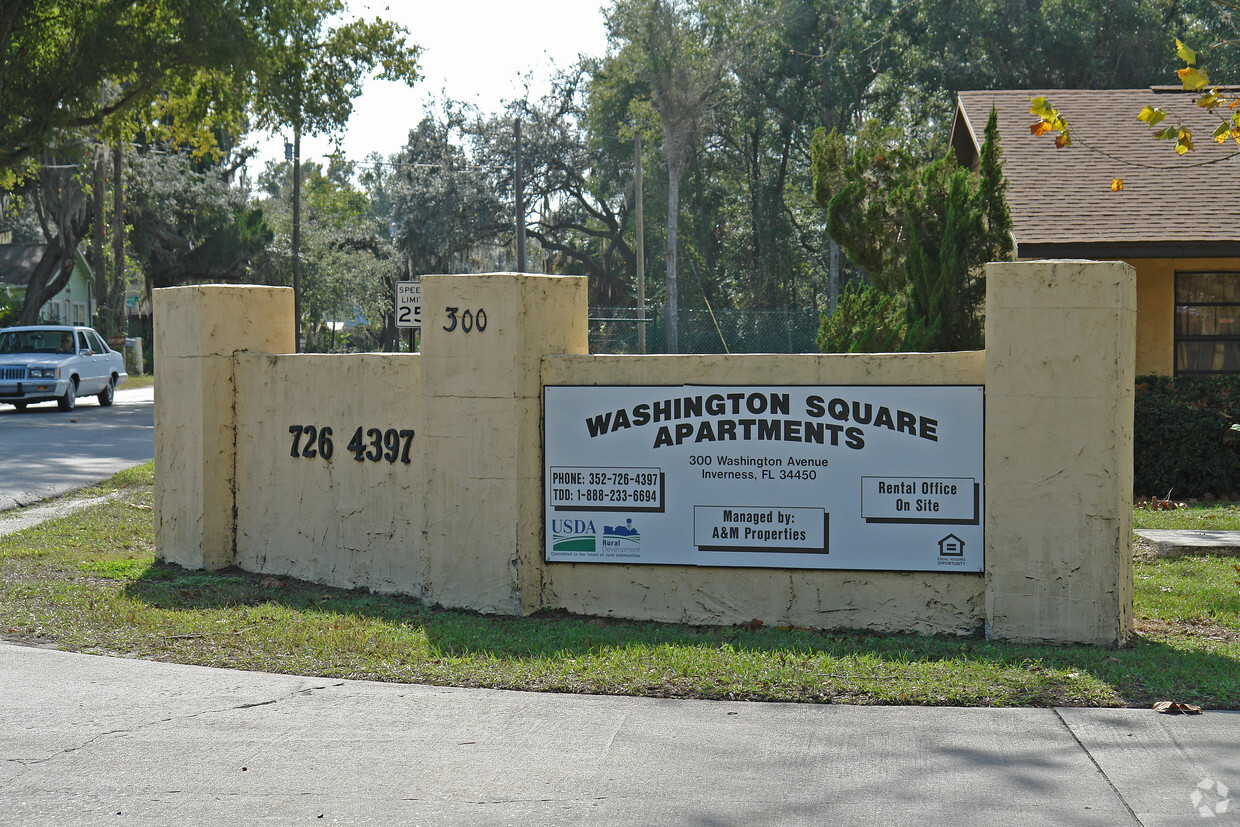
{"x":953,"y":222}
{"x":866,"y":320}
{"x":947,"y":285}
{"x":992,"y":190}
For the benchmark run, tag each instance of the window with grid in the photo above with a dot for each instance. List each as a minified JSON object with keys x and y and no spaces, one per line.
{"x":1207,"y":323}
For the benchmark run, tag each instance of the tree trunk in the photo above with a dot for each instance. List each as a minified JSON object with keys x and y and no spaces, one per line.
{"x":50,"y":276}
{"x":640,"y":245}
{"x":59,"y":201}
{"x":675,"y":168}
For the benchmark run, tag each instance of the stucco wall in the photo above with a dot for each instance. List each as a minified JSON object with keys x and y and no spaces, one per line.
{"x":346,"y":521}
{"x":483,"y":437}
{"x":197,"y":332}
{"x":461,"y":524}
{"x":1060,"y":358}
{"x":1155,"y":316}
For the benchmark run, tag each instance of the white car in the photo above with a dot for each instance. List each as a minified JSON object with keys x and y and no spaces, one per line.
{"x":46,"y":363}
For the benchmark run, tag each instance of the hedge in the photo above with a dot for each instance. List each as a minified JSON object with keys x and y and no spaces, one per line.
{"x":1182,"y":440}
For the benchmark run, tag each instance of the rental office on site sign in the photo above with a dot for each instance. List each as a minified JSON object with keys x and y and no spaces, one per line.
{"x":809,"y":477}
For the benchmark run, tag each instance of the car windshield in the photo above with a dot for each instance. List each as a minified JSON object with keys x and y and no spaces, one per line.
{"x":36,"y":341}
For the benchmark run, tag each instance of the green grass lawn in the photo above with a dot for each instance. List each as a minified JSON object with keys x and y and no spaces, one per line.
{"x":91,"y":583}
{"x":1194,"y":516}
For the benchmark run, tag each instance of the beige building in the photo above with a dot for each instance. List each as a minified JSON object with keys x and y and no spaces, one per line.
{"x":1174,"y":220}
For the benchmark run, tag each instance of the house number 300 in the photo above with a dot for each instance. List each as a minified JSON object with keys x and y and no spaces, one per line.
{"x":468,"y":321}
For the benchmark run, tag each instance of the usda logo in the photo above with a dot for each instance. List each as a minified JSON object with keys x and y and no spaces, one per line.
{"x":573,"y":535}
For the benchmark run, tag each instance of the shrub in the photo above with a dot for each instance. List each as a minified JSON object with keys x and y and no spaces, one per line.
{"x":10,"y":308}
{"x":1182,"y":437}
{"x":866,"y":320}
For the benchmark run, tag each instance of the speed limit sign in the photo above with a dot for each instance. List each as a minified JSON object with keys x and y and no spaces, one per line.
{"x":409,"y":304}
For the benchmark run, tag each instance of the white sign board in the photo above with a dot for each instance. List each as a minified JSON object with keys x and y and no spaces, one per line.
{"x":409,"y":304}
{"x":818,"y":477}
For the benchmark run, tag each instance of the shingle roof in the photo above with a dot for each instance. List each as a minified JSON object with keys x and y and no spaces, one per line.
{"x":1063,"y":196}
{"x":17,"y":262}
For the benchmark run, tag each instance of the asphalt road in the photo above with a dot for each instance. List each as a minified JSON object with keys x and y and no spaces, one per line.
{"x":45,"y":453}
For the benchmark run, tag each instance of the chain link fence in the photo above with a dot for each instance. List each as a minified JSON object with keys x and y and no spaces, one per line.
{"x":615,"y":330}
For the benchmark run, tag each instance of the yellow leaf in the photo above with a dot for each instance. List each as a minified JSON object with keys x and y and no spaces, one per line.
{"x":1041,"y":108}
{"x":1039,"y":128}
{"x":1062,"y":140}
{"x":1152,"y":115}
{"x":1185,"y":54}
{"x":1116,"y":184}
{"x":1184,"y":143}
{"x":1168,"y":134}
{"x":1192,"y":79}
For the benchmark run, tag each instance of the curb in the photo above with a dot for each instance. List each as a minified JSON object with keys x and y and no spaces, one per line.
{"x":19,"y":520}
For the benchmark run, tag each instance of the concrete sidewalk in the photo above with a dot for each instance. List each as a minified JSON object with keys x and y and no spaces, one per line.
{"x":21,"y":519}
{"x":95,"y":740}
{"x":1176,"y":543}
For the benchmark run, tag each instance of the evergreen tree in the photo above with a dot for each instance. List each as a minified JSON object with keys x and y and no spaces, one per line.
{"x":993,"y":192}
{"x":951,"y":222}
{"x":945,"y":294}
{"x":866,"y":320}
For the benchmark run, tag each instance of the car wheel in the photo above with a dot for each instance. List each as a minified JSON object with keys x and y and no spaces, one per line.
{"x":108,"y":393}
{"x":69,"y":400}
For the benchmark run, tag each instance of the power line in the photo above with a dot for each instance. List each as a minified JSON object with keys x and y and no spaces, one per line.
{"x":406,"y":164}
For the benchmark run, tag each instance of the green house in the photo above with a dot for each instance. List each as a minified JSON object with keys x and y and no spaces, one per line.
{"x":75,"y":304}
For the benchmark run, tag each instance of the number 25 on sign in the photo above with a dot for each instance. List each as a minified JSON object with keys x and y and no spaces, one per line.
{"x":409,"y":304}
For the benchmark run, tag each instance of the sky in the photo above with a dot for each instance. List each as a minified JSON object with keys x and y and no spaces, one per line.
{"x":472,"y":50}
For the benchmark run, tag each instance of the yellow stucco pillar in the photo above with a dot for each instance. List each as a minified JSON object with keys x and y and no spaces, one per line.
{"x":197,"y":331}
{"x":483,"y":339}
{"x":1060,"y":369}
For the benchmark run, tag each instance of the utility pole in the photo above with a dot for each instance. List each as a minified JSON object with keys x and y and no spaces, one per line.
{"x":517,"y":185}
{"x":116,"y":292}
{"x":297,"y":238}
{"x":99,"y":227}
{"x":641,"y":247}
